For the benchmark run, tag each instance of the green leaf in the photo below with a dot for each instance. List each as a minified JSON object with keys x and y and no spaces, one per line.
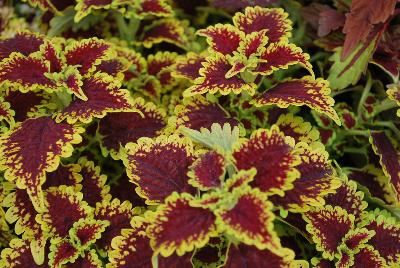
{"x":218,"y":138}
{"x":345,"y":73}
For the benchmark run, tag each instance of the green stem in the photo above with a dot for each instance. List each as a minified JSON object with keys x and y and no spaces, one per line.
{"x":334,"y":94}
{"x":353,"y":132}
{"x":387,"y":104}
{"x":364,"y":96}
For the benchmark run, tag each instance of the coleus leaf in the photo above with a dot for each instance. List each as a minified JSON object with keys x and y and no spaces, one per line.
{"x":188,"y":66}
{"x":62,"y":251}
{"x":55,"y":219}
{"x":217,"y":138}
{"x":5,"y":112}
{"x":159,"y":65}
{"x":104,"y":96}
{"x":132,"y":249}
{"x":22,"y":213}
{"x":87,"y":53}
{"x":349,"y":198}
{"x":159,"y":8}
{"x":274,"y":20}
{"x":305,"y":91}
{"x":239,"y":179}
{"x":279,"y":56}
{"x":222,"y":38}
{"x":388,"y":157}
{"x":28,"y":162}
{"x":328,"y":225}
{"x":387,"y":235}
{"x":26,"y":73}
{"x":118,"y":129}
{"x":375,"y":182}
{"x":348,"y":72}
{"x":197,"y":112}
{"x":85,"y":7}
{"x":159,"y":166}
{"x":25,"y":104}
{"x":273,"y":155}
{"x":208,"y":171}
{"x":249,"y":218}
{"x":316,"y":180}
{"x":393,"y":93}
{"x":235,"y":4}
{"x":249,"y":256}
{"x":23,"y":42}
{"x":355,"y":239}
{"x":64,"y":175}
{"x":168,"y":30}
{"x":18,"y":255}
{"x":297,"y":128}
{"x":361,"y":19}
{"x":178,"y":227}
{"x":86,"y":231}
{"x":138,"y":64}
{"x":88,"y":260}
{"x":118,"y":214}
{"x":94,"y":188}
{"x":368,"y":257}
{"x":212,"y":79}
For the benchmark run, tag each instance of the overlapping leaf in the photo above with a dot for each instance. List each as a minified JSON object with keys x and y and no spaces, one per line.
{"x":27,"y":162}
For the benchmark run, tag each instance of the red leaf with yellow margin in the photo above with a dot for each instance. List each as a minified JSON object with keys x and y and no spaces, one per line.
{"x":18,"y":255}
{"x":5,"y":112}
{"x":56,"y":220}
{"x":85,"y":7}
{"x":222,"y":38}
{"x":159,"y":166}
{"x":273,"y":156}
{"x":188,"y":66}
{"x":87,"y":53}
{"x":249,"y":218}
{"x":389,"y":158}
{"x":208,"y":171}
{"x":27,"y":73}
{"x":249,"y":256}
{"x":118,"y":129}
{"x":158,"y":8}
{"x":165,"y":30}
{"x":213,"y":79}
{"x":316,"y":180}
{"x":64,"y":175}
{"x":159,"y":66}
{"x":348,"y":198}
{"x":89,"y":260}
{"x":86,"y":231}
{"x":239,"y":179}
{"x":297,"y":128}
{"x":94,"y":188}
{"x":118,"y":214}
{"x":375,"y":182}
{"x":178,"y":227}
{"x":24,"y":104}
{"x":328,"y":226}
{"x":197,"y":112}
{"x":368,"y":257}
{"x":104,"y":96}
{"x":62,"y":251}
{"x":132,"y":250}
{"x":305,"y":91}
{"x":27,"y":162}
{"x":393,"y":93}
{"x":274,"y":20}
{"x":23,"y":42}
{"x":387,"y":235}
{"x":279,"y":56}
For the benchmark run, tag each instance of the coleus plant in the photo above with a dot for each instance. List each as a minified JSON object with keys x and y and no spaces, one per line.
{"x":129,"y":139}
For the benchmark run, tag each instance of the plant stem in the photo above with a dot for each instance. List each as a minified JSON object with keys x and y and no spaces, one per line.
{"x":333,"y":94}
{"x":364,"y":96}
{"x":387,"y":104}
